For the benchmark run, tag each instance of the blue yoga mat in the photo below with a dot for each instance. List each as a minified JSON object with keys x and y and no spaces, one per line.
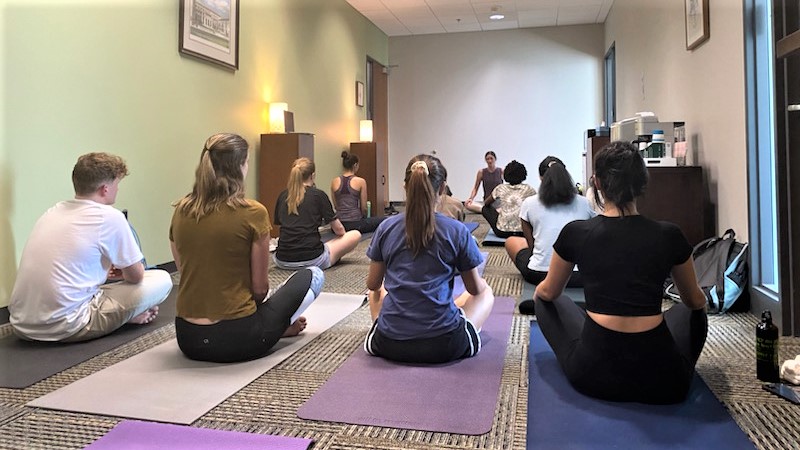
{"x":492,"y":239}
{"x":471,"y":226}
{"x":559,"y":417}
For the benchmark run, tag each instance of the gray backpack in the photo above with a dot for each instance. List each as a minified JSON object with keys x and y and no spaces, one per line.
{"x":720,"y":264}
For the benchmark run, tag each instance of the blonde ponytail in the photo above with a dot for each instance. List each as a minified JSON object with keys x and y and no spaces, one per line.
{"x":424,"y":179}
{"x":301,"y":171}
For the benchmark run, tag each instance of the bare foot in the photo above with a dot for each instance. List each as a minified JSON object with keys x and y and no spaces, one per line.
{"x":145,"y":317}
{"x":295,"y":328}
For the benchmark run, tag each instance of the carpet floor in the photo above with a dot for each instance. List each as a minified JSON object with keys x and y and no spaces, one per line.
{"x":269,"y":404}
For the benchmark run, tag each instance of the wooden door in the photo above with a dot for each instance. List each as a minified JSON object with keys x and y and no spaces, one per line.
{"x":379,"y":108}
{"x":371,"y":168}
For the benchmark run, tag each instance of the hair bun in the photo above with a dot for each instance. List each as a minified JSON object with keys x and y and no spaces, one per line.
{"x":345,"y":154}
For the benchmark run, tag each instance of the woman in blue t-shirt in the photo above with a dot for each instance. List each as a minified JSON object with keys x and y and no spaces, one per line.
{"x":623,"y":348}
{"x":415,"y":258}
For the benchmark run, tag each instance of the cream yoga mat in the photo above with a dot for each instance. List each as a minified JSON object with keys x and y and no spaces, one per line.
{"x":162,"y":385}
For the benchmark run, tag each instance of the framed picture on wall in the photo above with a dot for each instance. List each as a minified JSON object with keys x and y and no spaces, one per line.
{"x":696,"y":22}
{"x":209,"y":30}
{"x":359,"y":93}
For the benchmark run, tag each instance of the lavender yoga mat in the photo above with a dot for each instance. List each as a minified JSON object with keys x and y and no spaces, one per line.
{"x":137,"y":435}
{"x":458,"y":397}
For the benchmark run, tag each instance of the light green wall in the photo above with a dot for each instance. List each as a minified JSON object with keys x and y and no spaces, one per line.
{"x":106,"y":75}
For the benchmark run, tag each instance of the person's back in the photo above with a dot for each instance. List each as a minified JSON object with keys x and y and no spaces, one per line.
{"x":226,"y":311}
{"x":299,"y":234}
{"x":547,"y":222}
{"x":215,"y":256}
{"x":60,"y":293}
{"x":60,"y":268}
{"x":300,"y":210}
{"x":419,"y":303}
{"x":634,"y":351}
{"x":415,"y":257}
{"x":347,"y":200}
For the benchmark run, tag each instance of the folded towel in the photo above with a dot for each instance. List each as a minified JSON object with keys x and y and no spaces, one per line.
{"x":790,"y":370}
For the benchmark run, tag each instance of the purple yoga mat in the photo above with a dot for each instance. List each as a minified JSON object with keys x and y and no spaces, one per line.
{"x":137,"y":435}
{"x":458,"y":397}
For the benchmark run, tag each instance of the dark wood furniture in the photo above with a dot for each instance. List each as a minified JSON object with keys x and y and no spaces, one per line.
{"x":677,"y":195}
{"x":372,"y":168}
{"x":278,"y":152}
{"x":592,"y":146}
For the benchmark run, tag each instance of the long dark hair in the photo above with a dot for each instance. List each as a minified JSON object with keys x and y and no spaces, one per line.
{"x":557,"y":187}
{"x":423,"y":184}
{"x":621,"y":175}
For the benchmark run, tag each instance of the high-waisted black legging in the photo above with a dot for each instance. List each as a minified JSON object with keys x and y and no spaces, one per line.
{"x":249,"y":337}
{"x":654,"y":366}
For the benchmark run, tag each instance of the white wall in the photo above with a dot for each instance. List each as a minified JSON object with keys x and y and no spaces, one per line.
{"x":704,"y":87}
{"x":523,"y":93}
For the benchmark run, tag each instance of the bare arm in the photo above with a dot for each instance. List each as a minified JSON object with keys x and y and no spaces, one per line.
{"x":133,"y":273}
{"x":478,"y":179}
{"x":686,"y":281}
{"x":362,"y":186}
{"x":259,"y":267}
{"x":334,"y":188}
{"x":556,"y":280}
{"x":377,"y":270}
{"x":473,"y":282}
{"x":337,"y":227}
{"x":527,"y":231}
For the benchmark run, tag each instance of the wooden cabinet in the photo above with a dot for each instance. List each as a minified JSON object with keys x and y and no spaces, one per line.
{"x":278,"y":152}
{"x":593,"y":145}
{"x":372,"y":168}
{"x":677,"y":195}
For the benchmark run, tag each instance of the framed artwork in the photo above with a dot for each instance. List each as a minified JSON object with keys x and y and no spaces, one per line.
{"x":209,"y":30}
{"x":696,"y":16}
{"x":359,"y":93}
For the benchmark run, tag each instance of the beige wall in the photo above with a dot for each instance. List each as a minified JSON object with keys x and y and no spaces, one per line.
{"x":524,"y":94}
{"x":704,"y":87}
{"x":106,"y":75}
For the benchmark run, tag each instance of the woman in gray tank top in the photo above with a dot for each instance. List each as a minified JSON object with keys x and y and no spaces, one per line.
{"x":349,"y":194}
{"x":491,"y":176}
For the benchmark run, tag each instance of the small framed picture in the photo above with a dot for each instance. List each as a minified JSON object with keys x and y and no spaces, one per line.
{"x":359,"y":93}
{"x":209,"y":30}
{"x":696,"y":23}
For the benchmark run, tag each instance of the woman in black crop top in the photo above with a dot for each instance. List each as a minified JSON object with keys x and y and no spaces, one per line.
{"x":623,"y":348}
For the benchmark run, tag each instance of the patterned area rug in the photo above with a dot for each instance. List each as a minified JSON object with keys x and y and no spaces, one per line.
{"x":269,"y":404}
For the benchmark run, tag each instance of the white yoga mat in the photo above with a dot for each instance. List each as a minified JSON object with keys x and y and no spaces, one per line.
{"x":160,"y":384}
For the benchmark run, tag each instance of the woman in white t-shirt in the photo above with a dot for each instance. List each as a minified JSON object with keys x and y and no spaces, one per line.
{"x":542,"y":217}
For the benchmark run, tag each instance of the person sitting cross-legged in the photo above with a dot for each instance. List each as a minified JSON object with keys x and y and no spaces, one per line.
{"x":61,"y":291}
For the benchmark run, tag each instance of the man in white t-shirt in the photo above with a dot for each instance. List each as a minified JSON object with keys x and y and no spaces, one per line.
{"x":61,"y":293}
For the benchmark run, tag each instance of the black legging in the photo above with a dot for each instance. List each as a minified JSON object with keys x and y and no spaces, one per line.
{"x":654,"y":366}
{"x":249,"y":337}
{"x":490,"y":214}
{"x":364,"y":225}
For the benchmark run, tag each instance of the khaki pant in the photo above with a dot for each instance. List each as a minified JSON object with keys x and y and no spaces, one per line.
{"x":120,"y":302}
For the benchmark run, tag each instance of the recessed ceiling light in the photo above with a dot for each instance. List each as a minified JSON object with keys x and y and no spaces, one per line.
{"x":496,"y":14}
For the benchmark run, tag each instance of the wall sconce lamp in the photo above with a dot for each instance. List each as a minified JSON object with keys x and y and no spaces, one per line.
{"x":365,"y":131}
{"x":277,"y":121}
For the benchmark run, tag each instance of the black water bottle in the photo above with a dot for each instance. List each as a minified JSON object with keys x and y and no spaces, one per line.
{"x":767,"y":349}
